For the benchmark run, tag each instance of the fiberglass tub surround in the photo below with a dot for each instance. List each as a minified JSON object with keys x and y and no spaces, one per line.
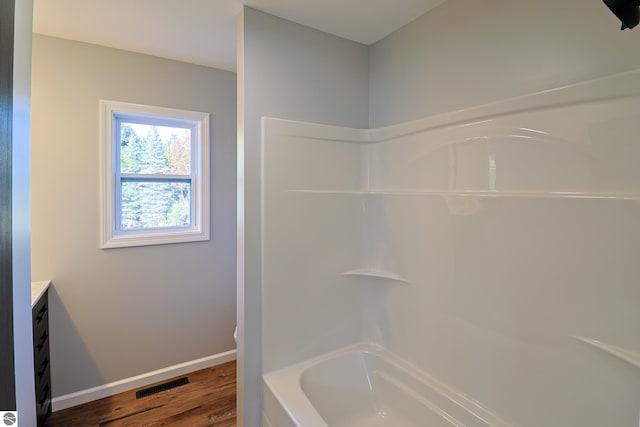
{"x":492,"y":251}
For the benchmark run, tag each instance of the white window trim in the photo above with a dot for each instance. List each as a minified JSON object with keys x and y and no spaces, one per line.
{"x":110,"y":237}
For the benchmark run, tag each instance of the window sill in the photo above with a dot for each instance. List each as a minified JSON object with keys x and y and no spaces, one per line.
{"x":151,"y":239}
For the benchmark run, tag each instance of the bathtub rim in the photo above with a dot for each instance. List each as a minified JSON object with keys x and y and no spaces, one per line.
{"x":282,"y":382}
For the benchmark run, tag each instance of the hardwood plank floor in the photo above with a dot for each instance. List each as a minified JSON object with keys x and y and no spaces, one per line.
{"x":208,"y":400}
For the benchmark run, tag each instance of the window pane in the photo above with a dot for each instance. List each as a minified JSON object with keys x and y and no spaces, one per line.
{"x":155,"y":204}
{"x":154,"y":149}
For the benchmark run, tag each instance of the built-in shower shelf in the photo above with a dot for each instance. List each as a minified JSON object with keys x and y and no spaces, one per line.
{"x":347,"y":192}
{"x":379,"y":274}
{"x":478,"y":194}
{"x":628,"y":356}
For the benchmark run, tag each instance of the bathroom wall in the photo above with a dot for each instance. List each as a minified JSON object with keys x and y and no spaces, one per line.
{"x":470,"y":52}
{"x":119,"y":313}
{"x":290,"y":71}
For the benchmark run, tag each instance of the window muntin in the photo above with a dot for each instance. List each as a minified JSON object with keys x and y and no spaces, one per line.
{"x":155,"y":175}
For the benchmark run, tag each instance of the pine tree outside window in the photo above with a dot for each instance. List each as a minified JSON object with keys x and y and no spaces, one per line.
{"x":155,"y":175}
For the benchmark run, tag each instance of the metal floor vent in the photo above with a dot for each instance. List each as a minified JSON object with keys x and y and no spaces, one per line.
{"x":161,"y":387}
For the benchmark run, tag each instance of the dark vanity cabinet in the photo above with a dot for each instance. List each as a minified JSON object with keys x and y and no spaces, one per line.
{"x":41,"y":357}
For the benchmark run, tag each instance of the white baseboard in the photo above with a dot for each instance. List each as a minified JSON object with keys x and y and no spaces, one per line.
{"x":106,"y":390}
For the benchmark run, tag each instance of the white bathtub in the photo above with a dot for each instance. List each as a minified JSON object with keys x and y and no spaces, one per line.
{"x":365,"y":385}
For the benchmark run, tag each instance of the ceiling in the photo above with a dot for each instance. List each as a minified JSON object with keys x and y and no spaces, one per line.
{"x":204,"y":31}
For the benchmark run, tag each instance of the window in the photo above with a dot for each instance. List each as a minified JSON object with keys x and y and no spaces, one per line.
{"x":155,"y":175}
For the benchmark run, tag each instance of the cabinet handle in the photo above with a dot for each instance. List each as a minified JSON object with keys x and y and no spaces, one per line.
{"x":41,"y":313}
{"x":42,"y":340}
{"x":43,"y":367}
{"x":45,"y":396}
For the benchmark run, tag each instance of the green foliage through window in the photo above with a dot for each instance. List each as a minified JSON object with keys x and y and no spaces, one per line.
{"x":147,"y":153}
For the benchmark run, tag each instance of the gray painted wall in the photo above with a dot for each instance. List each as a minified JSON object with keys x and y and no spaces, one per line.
{"x":470,"y":52}
{"x":289,"y":71}
{"x":122,"y":312}
{"x":23,"y":341}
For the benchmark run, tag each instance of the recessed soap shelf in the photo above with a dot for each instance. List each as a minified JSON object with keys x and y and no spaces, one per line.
{"x":375,"y":273}
{"x":624,"y":354}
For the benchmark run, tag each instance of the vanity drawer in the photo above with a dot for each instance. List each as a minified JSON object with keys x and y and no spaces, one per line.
{"x":43,"y":403}
{"x":42,"y":370}
{"x":40,"y":316}
{"x":41,"y":342}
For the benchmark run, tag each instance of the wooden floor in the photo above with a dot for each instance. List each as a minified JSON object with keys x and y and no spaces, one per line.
{"x":208,"y":400}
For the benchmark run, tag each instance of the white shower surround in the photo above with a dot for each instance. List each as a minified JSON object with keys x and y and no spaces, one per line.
{"x":493,"y":248}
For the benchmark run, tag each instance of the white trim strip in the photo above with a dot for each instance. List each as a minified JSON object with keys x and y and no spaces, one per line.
{"x":106,"y":390}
